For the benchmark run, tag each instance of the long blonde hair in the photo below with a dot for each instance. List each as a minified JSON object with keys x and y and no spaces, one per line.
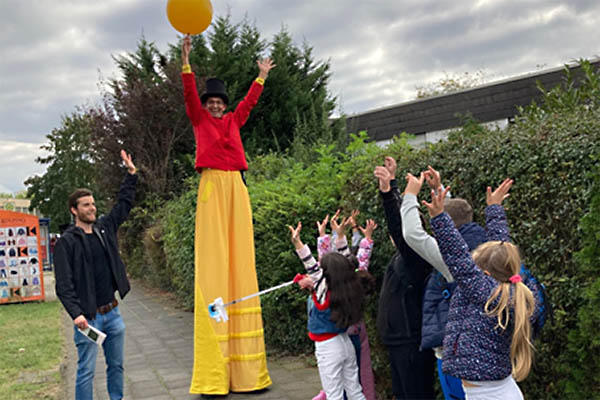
{"x":502,"y":260}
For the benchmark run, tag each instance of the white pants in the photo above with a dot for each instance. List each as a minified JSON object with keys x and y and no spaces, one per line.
{"x":336,"y":360}
{"x":505,"y":389}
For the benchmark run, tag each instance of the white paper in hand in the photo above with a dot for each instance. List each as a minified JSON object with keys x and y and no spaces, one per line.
{"x":93,"y":334}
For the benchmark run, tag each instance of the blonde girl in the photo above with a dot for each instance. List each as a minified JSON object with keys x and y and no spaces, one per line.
{"x":487,"y":339}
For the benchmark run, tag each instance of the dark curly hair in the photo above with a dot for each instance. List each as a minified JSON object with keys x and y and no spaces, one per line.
{"x":367,"y":281}
{"x":346,"y":294}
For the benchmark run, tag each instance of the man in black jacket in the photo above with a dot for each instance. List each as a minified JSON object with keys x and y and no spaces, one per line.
{"x":401,"y":301}
{"x":88,"y":271}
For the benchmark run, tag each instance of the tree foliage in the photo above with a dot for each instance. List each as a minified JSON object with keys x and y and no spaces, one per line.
{"x":143,"y":113}
{"x":71,"y":164}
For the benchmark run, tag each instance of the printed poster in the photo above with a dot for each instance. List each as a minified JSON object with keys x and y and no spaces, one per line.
{"x":21,"y":272}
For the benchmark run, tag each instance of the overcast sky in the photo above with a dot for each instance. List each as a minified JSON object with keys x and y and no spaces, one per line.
{"x":53,"y":52}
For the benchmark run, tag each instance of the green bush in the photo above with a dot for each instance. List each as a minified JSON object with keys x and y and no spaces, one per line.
{"x":178,"y":226}
{"x":581,"y":364}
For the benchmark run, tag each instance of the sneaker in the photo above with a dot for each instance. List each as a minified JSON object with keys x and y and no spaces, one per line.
{"x":320,"y":396}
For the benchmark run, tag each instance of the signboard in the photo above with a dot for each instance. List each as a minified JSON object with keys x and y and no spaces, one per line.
{"x":21,"y":275}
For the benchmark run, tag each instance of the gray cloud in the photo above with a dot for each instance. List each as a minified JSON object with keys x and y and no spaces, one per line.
{"x":54,"y":51}
{"x":16,"y":164}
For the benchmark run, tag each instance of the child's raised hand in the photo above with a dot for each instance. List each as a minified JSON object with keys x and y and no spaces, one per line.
{"x":340,"y":228}
{"x":322,"y":225}
{"x":334,"y":219}
{"x":413,"y":185}
{"x":501,"y":193}
{"x":433,"y":178}
{"x":352,"y":219}
{"x":436,"y":207}
{"x":295,"y":233}
{"x":367,"y":231}
{"x":384,"y":177}
{"x":390,"y":164}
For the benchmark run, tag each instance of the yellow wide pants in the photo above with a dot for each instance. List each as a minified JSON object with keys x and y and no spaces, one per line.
{"x":227,"y":355}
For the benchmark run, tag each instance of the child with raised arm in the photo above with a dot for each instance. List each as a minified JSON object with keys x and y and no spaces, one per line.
{"x":335,"y":304}
{"x":401,"y":300}
{"x":364,"y":246}
{"x":440,"y":284}
{"x":488,"y":335}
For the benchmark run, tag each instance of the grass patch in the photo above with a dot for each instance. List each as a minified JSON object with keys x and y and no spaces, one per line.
{"x":31,"y":349}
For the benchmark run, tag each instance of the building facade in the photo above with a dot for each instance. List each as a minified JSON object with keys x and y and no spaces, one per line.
{"x":18,"y":205}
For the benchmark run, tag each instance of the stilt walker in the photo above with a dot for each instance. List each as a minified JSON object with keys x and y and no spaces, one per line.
{"x":228,"y":356}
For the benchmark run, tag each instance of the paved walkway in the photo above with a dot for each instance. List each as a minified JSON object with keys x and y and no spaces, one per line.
{"x":159,"y":357}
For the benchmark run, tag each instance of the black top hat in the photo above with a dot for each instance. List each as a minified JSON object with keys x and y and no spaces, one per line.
{"x":215,"y":88}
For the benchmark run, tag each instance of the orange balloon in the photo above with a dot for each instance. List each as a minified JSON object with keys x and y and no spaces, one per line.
{"x":189,"y":17}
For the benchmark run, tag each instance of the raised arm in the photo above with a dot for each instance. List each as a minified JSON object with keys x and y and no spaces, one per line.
{"x":193,"y":106}
{"x":388,"y":189}
{"x":356,"y":236}
{"x":475,"y":285}
{"x":118,"y":214}
{"x":324,"y":244}
{"x":339,"y":228}
{"x":313,"y":269}
{"x":243,"y":109}
{"x":413,"y":232}
{"x":495,"y":217}
{"x":365,"y":247}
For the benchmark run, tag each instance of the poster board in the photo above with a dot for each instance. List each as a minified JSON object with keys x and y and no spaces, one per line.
{"x":21,"y":275}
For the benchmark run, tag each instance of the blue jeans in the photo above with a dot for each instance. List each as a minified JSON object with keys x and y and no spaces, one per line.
{"x":112,"y":324}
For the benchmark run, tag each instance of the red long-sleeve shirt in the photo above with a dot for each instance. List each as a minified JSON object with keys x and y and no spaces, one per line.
{"x":218,"y":141}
